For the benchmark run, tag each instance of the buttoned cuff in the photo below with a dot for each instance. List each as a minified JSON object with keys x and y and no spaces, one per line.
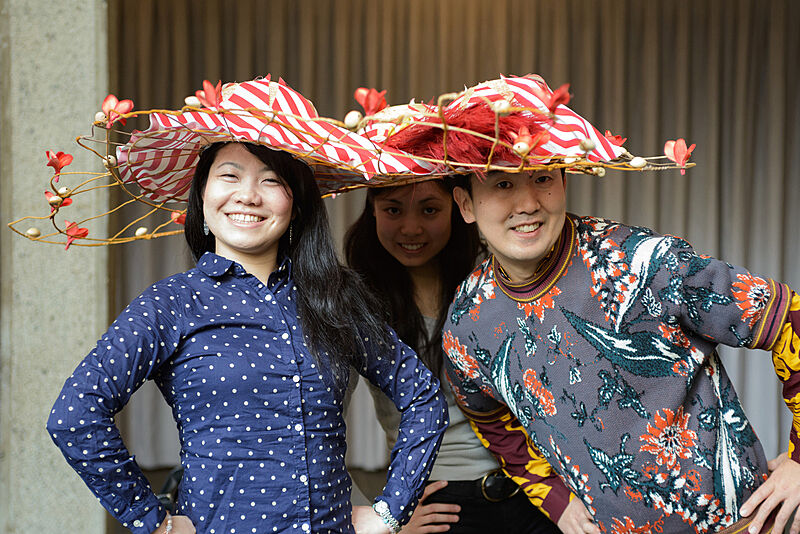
{"x":145,"y":520}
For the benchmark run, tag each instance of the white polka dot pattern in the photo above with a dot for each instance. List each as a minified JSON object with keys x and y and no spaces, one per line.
{"x":261,"y":426}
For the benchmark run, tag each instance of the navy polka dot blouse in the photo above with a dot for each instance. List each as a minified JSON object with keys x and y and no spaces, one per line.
{"x":260,"y":422}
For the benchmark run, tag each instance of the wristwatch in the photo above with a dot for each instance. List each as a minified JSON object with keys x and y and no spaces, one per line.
{"x":382,"y":509}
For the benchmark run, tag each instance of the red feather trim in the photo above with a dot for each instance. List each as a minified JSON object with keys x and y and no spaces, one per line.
{"x":427,"y":141}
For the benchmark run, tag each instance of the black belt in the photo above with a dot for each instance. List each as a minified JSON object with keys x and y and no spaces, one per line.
{"x":495,"y":486}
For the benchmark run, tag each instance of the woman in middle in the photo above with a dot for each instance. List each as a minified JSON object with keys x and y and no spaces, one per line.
{"x":413,"y":249}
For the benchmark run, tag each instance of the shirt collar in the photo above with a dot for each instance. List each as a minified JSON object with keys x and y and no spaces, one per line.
{"x":213,"y":264}
{"x":216,"y":266}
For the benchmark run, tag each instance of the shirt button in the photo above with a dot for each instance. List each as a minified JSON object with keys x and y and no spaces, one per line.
{"x":298,"y":427}
{"x":303,"y":478}
{"x":296,"y":379}
{"x":137,"y":523}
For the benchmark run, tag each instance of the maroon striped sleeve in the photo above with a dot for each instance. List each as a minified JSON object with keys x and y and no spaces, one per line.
{"x":768,"y":328}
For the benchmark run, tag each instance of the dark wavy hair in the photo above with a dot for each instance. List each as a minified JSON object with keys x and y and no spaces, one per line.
{"x":336,"y":310}
{"x":390,"y":280}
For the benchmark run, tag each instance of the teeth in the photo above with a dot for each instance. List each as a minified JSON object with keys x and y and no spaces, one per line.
{"x":527,"y":227}
{"x":242,"y":218}
{"x":411,"y":246}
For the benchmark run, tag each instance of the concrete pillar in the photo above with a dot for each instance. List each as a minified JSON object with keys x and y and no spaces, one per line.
{"x":54,"y":304}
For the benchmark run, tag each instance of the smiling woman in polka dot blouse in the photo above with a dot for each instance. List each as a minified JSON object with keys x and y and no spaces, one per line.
{"x":251,"y":350}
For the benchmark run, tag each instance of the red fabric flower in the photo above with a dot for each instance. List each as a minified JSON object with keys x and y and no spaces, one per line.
{"x":113,"y":108}
{"x":74,"y":232}
{"x":677,"y":152}
{"x":560,"y":96}
{"x":524,"y":136}
{"x":617,"y":140}
{"x":371,"y":100}
{"x":210,"y":96}
{"x":58,"y":161}
{"x":64,"y":201}
{"x":178,"y":217}
{"x":540,"y":139}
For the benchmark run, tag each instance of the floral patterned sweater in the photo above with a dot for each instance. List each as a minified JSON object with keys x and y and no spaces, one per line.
{"x":601,"y":378}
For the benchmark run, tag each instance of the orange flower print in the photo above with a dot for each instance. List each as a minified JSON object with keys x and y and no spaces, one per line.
{"x":542,"y":394}
{"x":752,"y":294}
{"x":628,"y":527}
{"x":634,"y":495}
{"x":458,"y":355}
{"x":693,"y":480}
{"x":540,"y":305}
{"x":669,"y":439}
{"x":674,"y":335}
{"x":475,"y":309}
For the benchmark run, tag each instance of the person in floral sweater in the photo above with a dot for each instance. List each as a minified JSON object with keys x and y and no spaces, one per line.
{"x":584,"y":351}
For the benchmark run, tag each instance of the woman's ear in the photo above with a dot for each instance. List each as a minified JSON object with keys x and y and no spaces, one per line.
{"x":464,"y":202}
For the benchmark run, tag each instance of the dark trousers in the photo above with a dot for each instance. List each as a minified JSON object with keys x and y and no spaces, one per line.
{"x":515,"y":515}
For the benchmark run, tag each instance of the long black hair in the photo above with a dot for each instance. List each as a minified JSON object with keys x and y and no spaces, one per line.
{"x":390,"y":280}
{"x":336,"y":310}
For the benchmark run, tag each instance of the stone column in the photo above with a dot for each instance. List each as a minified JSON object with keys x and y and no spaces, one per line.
{"x":54,"y":304}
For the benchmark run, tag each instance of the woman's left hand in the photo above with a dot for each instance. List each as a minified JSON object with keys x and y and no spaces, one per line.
{"x":366,"y":521}
{"x":782,"y":489}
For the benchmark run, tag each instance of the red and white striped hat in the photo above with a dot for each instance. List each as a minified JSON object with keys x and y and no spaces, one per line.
{"x":162,"y":159}
{"x":512,"y":124}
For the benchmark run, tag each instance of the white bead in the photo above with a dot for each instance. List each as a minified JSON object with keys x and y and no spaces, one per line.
{"x":33,"y":232}
{"x":587,"y":145}
{"x":142,"y":230}
{"x":64,"y":191}
{"x":600,"y":171}
{"x":638,"y":162}
{"x":110,"y":161}
{"x":521,"y":148}
{"x":55,"y":200}
{"x":501,"y":106}
{"x":352,"y":119}
{"x":99,"y":116}
{"x":192,"y":101}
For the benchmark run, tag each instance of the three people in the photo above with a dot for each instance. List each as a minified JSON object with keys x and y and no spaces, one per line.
{"x":581,"y":351}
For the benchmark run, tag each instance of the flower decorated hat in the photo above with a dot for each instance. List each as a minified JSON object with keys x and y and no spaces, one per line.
{"x":154,"y":167}
{"x":510,"y":124}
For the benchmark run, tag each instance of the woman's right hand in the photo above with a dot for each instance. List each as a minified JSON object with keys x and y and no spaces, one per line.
{"x":181,"y":524}
{"x":434,"y":517}
{"x":576,"y":519}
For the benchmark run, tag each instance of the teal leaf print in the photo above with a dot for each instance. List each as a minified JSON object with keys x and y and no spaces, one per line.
{"x":652,"y":306}
{"x":616,"y":468}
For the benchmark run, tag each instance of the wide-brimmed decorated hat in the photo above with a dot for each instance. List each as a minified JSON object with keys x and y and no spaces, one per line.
{"x":155,"y":166}
{"x":511,"y":124}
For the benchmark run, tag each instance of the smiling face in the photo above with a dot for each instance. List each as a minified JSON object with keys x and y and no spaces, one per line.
{"x":413,"y":222}
{"x":520,"y":216}
{"x":246,"y":205}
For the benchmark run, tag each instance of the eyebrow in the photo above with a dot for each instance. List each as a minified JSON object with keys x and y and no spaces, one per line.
{"x":426,"y":199}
